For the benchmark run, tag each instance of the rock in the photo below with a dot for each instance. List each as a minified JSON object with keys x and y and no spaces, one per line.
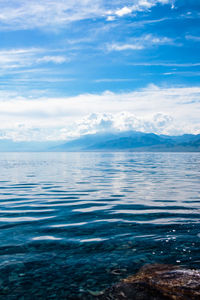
{"x":157,"y":282}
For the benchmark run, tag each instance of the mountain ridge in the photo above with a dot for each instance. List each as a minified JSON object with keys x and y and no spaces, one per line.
{"x":110,"y":141}
{"x":133,"y":141}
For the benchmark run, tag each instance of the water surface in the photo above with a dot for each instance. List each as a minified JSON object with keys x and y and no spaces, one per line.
{"x":74,"y":223}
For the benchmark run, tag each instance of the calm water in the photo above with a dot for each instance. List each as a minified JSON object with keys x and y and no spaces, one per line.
{"x":74,"y":223}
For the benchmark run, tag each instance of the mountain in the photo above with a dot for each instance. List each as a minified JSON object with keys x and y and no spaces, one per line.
{"x":132,"y":141}
{"x":118,"y":141}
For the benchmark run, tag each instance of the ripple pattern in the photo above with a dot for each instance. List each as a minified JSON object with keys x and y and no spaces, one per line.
{"x":71,"y":223}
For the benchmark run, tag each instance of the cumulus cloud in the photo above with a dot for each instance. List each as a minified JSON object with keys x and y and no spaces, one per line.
{"x":172,"y":110}
{"x":123,"y":121}
{"x":123,"y":11}
{"x":139,"y":6}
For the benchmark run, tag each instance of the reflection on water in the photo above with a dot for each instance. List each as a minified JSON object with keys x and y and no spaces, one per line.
{"x":69,"y":220}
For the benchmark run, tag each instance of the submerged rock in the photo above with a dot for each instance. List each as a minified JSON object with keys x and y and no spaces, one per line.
{"x":157,"y":282}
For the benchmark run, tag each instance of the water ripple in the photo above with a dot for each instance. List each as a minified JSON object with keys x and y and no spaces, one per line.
{"x":68,"y":220}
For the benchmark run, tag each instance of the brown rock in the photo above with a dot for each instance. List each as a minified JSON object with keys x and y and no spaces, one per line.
{"x":157,"y":282}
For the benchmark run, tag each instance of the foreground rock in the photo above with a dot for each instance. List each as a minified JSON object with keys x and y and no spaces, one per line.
{"x":157,"y":282}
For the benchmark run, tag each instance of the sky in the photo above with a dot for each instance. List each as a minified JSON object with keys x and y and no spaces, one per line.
{"x":73,"y":67}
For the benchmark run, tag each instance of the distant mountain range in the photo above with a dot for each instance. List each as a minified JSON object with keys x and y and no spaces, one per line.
{"x":121,"y":141}
{"x":133,"y":141}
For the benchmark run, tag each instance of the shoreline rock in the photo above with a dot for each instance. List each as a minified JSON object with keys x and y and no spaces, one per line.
{"x":157,"y":282}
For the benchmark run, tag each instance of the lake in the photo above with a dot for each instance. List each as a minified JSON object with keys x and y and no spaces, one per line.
{"x":72,"y":224}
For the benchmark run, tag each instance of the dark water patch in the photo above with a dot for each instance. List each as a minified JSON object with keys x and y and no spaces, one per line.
{"x":117,"y":196}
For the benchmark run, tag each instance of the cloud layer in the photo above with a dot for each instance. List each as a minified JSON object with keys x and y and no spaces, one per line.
{"x":153,"y":109}
{"x":105,"y":53}
{"x":23,"y":14}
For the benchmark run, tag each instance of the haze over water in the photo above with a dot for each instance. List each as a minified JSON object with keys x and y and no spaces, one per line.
{"x":72,"y":223}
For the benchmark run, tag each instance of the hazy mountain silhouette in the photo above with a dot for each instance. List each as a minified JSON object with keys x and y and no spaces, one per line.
{"x":118,"y":141}
{"x":132,"y":141}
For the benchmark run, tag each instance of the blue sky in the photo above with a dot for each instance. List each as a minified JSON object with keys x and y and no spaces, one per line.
{"x":75,"y":67}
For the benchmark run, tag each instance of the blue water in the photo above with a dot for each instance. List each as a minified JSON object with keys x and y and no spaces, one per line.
{"x":72,"y":224}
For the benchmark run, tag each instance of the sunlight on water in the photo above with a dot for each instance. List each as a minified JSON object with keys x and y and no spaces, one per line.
{"x":69,"y":220}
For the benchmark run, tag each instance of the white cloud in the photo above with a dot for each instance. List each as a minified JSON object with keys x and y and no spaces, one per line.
{"x":122,"y":121}
{"x":110,"y":18}
{"x":122,"y":47}
{"x":193,"y":38}
{"x":123,"y":11}
{"x":139,"y":43}
{"x":54,"y":59}
{"x":138,"y":6}
{"x":50,"y":14}
{"x":183,"y":73}
{"x":18,"y":58}
{"x":23,"y":14}
{"x":166,"y":64}
{"x":153,"y":109}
